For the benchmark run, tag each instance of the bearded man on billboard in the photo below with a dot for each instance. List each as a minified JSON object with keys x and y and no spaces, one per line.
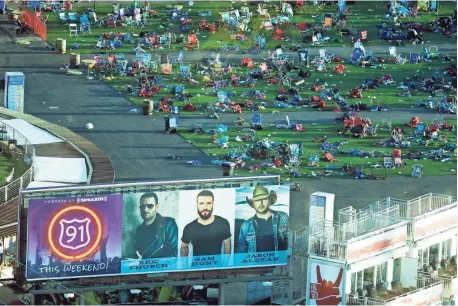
{"x":157,"y":236}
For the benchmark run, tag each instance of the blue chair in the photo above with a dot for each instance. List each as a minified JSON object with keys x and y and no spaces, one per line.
{"x":420,"y":129}
{"x":417,"y":170}
{"x":63,"y":17}
{"x":72,"y":16}
{"x":222,"y":97}
{"x":84,"y":19}
{"x":185,"y":72}
{"x":256,"y":121}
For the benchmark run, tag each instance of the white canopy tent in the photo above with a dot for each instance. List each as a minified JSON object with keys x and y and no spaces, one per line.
{"x":32,"y":133}
{"x":36,"y":184}
{"x":60,"y":170}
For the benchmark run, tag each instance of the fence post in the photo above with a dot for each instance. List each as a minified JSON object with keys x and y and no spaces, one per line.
{"x":6,"y":193}
{"x":20,"y":182}
{"x":408,"y":209}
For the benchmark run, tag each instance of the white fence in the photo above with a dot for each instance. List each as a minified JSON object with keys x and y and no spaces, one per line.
{"x":16,"y":143}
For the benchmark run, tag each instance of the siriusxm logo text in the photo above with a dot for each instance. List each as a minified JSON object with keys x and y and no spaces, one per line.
{"x":98,"y":199}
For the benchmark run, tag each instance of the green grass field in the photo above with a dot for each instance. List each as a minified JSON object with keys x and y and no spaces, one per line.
{"x":7,"y":162}
{"x":431,"y":167}
{"x":364,"y":17}
{"x":353,"y":77}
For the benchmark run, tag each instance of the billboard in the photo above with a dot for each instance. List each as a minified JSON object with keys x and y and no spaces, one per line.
{"x":325,"y":283}
{"x":170,"y":231}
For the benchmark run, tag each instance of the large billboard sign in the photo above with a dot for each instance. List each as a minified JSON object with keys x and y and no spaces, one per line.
{"x":170,"y":231}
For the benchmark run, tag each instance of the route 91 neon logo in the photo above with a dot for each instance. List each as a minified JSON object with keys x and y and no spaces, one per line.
{"x":75,"y":232}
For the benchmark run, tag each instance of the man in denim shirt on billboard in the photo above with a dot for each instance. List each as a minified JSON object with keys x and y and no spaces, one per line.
{"x":267,"y":230}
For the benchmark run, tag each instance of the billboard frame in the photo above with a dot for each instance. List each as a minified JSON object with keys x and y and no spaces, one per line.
{"x":134,"y":187}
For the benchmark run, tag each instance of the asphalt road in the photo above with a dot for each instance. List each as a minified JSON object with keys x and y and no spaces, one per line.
{"x":138,"y":146}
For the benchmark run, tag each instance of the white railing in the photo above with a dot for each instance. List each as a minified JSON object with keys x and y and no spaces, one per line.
{"x":22,"y":147}
{"x":423,"y":282}
{"x":282,"y":290}
{"x":427,"y":203}
{"x":447,"y":282}
{"x":300,"y":240}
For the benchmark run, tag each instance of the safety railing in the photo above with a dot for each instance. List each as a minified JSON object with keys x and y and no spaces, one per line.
{"x":34,"y":22}
{"x":282,"y":290}
{"x":353,"y":299}
{"x":447,"y":282}
{"x":300,"y":240}
{"x":427,"y":203}
{"x":16,"y":143}
{"x":423,"y":282}
{"x":328,"y":248}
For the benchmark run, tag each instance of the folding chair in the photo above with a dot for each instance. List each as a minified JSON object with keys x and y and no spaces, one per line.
{"x":72,"y":16}
{"x":357,"y":121}
{"x":166,"y":68}
{"x":414,"y":57}
{"x":185,"y":72}
{"x":433,"y":52}
{"x":73,"y":27}
{"x":388,"y":162}
{"x":420,"y":130}
{"x":85,"y":24}
{"x":222,"y":97}
{"x":111,"y":22}
{"x":283,"y":124}
{"x":111,"y":60}
{"x":315,"y":41}
{"x":193,"y":42}
{"x":63,"y":17}
{"x":256,"y":121}
{"x":138,"y":21}
{"x":393,"y":52}
{"x":322,"y":53}
{"x":417,"y":170}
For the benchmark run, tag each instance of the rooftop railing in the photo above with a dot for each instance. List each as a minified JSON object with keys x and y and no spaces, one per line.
{"x":423,"y":282}
{"x":17,"y":144}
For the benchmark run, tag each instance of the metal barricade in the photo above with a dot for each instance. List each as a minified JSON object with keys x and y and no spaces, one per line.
{"x":34,"y":22}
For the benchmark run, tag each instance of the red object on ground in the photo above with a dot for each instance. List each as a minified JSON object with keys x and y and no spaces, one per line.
{"x":415,"y":121}
{"x":349,"y":122}
{"x":397,"y":152}
{"x":302,"y":26}
{"x":328,"y":156}
{"x":356,"y":93}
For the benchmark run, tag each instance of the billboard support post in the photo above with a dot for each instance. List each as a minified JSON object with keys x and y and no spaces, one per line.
{"x":221,"y":293}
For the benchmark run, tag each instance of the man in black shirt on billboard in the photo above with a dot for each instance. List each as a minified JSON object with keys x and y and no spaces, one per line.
{"x":209,"y":233}
{"x":157,"y":236}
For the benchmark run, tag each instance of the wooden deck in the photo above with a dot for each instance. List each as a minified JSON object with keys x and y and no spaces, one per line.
{"x":74,"y":146}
